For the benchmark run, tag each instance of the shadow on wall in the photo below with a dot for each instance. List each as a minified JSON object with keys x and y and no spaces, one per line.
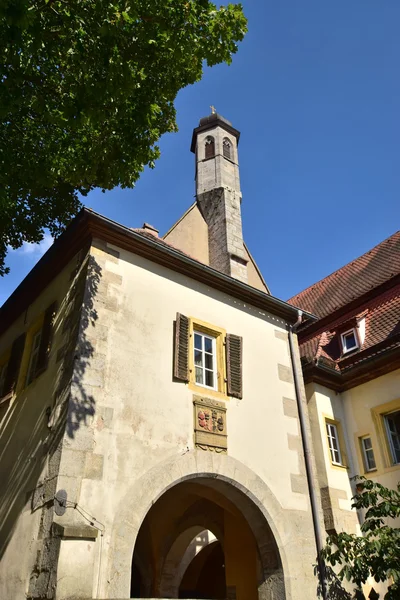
{"x":336,"y":591}
{"x":82,"y":404}
{"x":33,"y":428}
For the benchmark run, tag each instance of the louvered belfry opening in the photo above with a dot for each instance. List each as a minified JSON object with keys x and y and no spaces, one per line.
{"x":227,"y":148}
{"x":209,"y":147}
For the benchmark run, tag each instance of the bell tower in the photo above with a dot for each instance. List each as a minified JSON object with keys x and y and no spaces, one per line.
{"x":215,"y":144}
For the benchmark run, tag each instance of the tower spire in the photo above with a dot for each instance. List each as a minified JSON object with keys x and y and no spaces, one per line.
{"x":218,"y":193}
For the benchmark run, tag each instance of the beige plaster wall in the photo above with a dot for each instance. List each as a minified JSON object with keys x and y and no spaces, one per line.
{"x":143,"y":420}
{"x":253,"y":276}
{"x":29,"y":447}
{"x":362,"y":406}
{"x":190,"y":234}
{"x":334,"y":481}
{"x":359,"y":412}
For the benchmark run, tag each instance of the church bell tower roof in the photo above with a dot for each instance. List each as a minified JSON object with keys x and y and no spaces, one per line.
{"x":213,"y":120}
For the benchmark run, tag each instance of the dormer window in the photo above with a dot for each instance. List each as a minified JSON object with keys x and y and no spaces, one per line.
{"x":209,"y":147}
{"x":349,"y":341}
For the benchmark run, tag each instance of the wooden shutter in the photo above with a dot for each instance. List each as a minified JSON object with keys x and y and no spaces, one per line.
{"x":181,"y":349}
{"x":45,"y":340}
{"x":14,"y":365}
{"x":234,"y":351}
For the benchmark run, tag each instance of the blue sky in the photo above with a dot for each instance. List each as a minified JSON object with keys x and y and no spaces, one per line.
{"x":315,"y":92}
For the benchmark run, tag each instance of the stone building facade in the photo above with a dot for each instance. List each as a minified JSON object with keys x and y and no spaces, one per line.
{"x":150,"y":438}
{"x":351,"y":366}
{"x":153,"y":415}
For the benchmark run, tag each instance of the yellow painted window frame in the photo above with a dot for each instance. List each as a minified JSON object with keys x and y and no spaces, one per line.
{"x":220,"y":335}
{"x":378,"y":414}
{"x":341,"y":441}
{"x":361,"y":450}
{"x":357,"y":436}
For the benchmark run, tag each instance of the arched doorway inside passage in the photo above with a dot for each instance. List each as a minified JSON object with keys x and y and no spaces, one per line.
{"x":252,"y":496}
{"x":205,"y":538}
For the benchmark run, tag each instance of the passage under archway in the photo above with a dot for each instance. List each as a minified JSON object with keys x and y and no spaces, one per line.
{"x":204,"y":538}
{"x":205,"y":576}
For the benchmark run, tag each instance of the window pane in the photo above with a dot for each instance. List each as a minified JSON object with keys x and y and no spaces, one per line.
{"x":36,"y":341}
{"x":349,"y":341}
{"x":333,"y":442}
{"x":208,"y":344}
{"x":197,"y":341}
{"x":198,"y":357}
{"x":209,"y":361}
{"x":369,"y":457}
{"x":371,"y":460}
{"x":393,"y":427}
{"x":210,"y":378}
{"x":367,"y":443}
{"x":199,"y":375}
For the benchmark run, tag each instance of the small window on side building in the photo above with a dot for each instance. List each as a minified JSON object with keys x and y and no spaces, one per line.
{"x":392,"y":424}
{"x":349,"y":341}
{"x":368,"y":453}
{"x":333,"y":443}
{"x":33,"y":360}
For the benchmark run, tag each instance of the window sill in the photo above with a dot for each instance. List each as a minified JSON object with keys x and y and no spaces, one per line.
{"x":391,"y":468}
{"x":208,"y":392}
{"x":339,"y":467}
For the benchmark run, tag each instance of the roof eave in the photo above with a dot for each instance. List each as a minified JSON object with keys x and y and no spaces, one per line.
{"x":374,"y":366}
{"x":88,"y":225}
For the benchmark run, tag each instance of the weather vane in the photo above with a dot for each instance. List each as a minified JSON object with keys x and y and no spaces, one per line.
{"x":213,"y":111}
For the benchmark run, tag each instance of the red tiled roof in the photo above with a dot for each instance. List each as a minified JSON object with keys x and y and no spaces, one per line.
{"x":358,"y":277}
{"x":382,"y":324}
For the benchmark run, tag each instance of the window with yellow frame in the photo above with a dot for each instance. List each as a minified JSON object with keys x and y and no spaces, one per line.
{"x":387,"y":421}
{"x":206,"y":356}
{"x":335,"y":441}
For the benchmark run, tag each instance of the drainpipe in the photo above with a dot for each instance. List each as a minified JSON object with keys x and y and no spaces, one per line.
{"x":307,"y":457}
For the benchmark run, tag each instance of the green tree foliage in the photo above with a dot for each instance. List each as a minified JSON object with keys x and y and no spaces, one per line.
{"x":377,"y":552}
{"x":87,"y":87}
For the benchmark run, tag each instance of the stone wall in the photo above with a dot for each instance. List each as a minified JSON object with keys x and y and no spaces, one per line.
{"x":31,"y":442}
{"x":137,"y":438}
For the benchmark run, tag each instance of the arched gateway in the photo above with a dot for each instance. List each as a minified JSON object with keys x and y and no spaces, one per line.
{"x":199,"y":526}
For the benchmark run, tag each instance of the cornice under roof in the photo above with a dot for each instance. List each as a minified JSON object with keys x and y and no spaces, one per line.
{"x":88,"y":225}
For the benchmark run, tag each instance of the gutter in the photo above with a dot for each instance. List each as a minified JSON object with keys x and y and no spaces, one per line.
{"x":307,"y":457}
